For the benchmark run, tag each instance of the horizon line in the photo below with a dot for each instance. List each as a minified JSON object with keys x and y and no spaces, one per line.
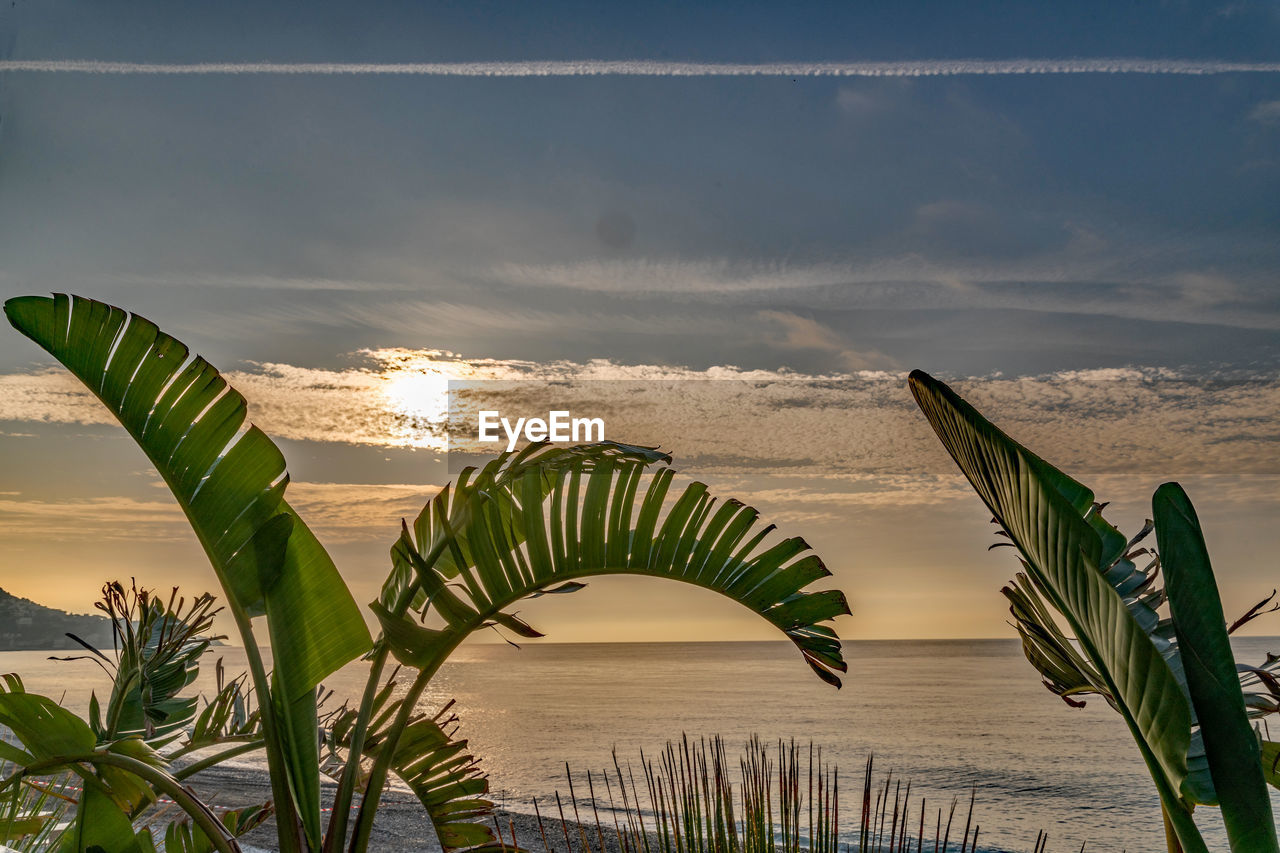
{"x":782,"y":642}
{"x":661,"y":68}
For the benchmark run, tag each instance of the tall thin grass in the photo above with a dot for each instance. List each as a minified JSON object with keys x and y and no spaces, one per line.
{"x":785,"y":799}
{"x":33,"y":811}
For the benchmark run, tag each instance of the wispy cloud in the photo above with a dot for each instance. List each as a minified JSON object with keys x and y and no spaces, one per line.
{"x":1080,"y":277}
{"x":114,"y":517}
{"x":1267,"y":112}
{"x":795,"y":332}
{"x":356,"y":512}
{"x":656,"y":68}
{"x":1116,"y":421}
{"x":339,"y":513}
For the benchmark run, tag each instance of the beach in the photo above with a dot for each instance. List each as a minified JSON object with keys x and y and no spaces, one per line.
{"x":402,"y":823}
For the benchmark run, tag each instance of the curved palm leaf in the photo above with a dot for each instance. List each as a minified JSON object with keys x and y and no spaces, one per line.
{"x":1064,"y":670}
{"x":534,"y":522}
{"x":588,"y":515}
{"x":1232,"y":749}
{"x":230,"y":483}
{"x":1066,"y":551}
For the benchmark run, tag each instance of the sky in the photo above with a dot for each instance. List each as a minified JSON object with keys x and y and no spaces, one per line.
{"x":1070,"y":211}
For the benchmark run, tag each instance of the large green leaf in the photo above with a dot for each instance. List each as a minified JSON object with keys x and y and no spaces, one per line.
{"x":46,"y":731}
{"x":1231,"y":746}
{"x":1043,"y":511}
{"x":54,"y":740}
{"x":533,"y":522}
{"x":1065,"y":671}
{"x":230,"y":483}
{"x":512,"y":537}
{"x":99,"y":826}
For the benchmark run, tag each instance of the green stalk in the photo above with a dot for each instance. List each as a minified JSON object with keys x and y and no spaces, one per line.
{"x":196,"y":747}
{"x":288,"y":828}
{"x":382,"y":765}
{"x":217,"y":758}
{"x":341,"y":814}
{"x":336,"y":837}
{"x":199,"y":813}
{"x":1170,"y":836}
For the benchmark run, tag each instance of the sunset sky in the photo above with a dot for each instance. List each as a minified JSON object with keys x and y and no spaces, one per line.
{"x":1071,"y":213}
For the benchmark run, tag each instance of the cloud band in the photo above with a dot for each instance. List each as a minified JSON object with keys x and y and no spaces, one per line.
{"x":651,"y":68}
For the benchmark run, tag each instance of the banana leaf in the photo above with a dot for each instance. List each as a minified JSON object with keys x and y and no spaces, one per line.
{"x":1066,"y":549}
{"x":1231,"y":747}
{"x":231,"y":482}
{"x":508,"y":538}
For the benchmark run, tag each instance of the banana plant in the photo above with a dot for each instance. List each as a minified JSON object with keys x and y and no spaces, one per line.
{"x":117,"y":779}
{"x":1172,"y":677}
{"x":156,"y":650}
{"x":231,"y":483}
{"x":155,"y":654}
{"x":529,"y":523}
{"x":541,"y":520}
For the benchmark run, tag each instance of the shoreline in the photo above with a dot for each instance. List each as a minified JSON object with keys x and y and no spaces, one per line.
{"x":401,"y":824}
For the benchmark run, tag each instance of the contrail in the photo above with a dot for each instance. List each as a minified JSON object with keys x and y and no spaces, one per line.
{"x":649,"y":68}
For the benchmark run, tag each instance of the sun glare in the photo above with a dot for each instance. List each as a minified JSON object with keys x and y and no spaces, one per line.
{"x":415,"y":387}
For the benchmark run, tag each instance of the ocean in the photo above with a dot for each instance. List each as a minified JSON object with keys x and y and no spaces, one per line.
{"x":951,"y":716}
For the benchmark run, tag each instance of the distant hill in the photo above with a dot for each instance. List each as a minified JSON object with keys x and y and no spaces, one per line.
{"x":27,"y":625}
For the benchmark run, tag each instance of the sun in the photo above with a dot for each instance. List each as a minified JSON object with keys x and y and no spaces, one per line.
{"x":414,"y":385}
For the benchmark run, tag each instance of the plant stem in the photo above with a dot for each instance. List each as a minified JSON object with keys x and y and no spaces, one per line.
{"x":341,"y":814}
{"x":209,"y":761}
{"x":1170,"y":836}
{"x":336,"y":836}
{"x":195,"y":747}
{"x":288,"y":828}
{"x":199,"y":813}
{"x":382,"y":765}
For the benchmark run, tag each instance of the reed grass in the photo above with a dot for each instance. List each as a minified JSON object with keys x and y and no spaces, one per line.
{"x":33,"y":811}
{"x":785,"y":798}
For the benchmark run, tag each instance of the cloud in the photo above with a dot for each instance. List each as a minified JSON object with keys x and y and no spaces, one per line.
{"x":338,"y":512}
{"x":1207,"y":290}
{"x":1070,"y":271}
{"x":1144,"y":421}
{"x":856,"y":102}
{"x":1267,"y":112}
{"x":102,"y":518}
{"x":253,"y":282}
{"x":356,"y":512}
{"x":51,"y":396}
{"x":806,"y":333}
{"x":655,"y":68}
{"x":644,"y":275}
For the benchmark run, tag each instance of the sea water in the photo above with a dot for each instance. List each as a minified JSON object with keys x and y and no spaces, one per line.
{"x":952,"y":716}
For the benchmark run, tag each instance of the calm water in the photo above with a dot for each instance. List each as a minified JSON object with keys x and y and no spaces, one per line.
{"x":949,"y":715}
